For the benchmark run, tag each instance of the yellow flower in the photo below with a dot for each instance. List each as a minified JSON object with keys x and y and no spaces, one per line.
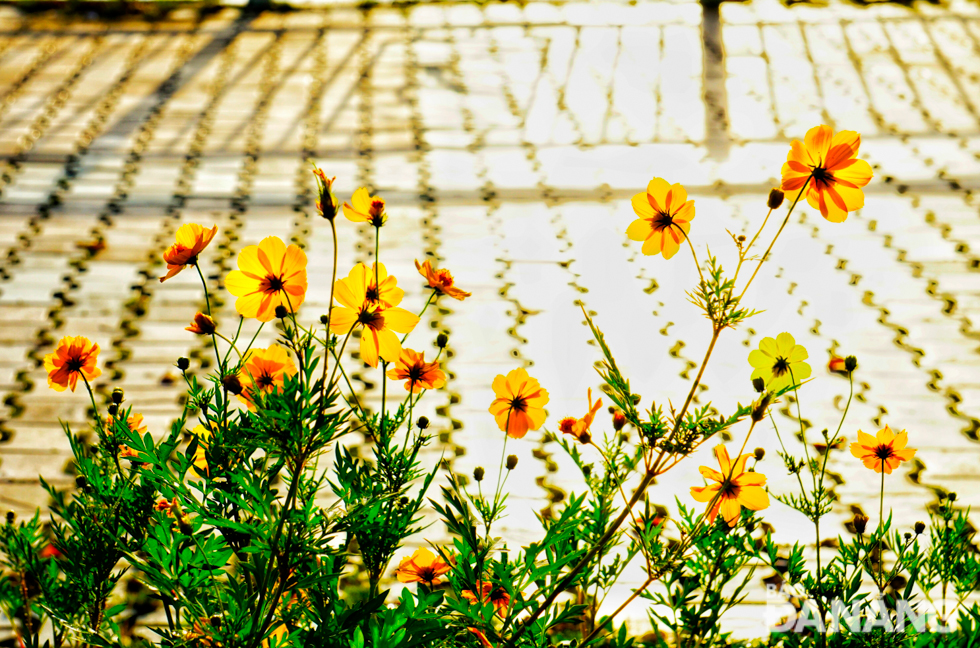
{"x":265,"y":371}
{"x":269,"y":275}
{"x":734,"y":488}
{"x":73,"y":357}
{"x":200,"y":459}
{"x":520,"y":402}
{"x":665,"y":218}
{"x":423,"y":566}
{"x":835,"y":174}
{"x":366,"y":208}
{"x":779,"y":362}
{"x":416,"y":372}
{"x":191,"y":241}
{"x":440,"y":280}
{"x":884,"y":451}
{"x":376,"y":311}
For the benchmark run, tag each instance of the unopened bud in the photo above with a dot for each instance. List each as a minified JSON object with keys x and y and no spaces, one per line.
{"x":324,"y":319}
{"x":281,"y":312}
{"x":951,"y":497}
{"x":326,"y":202}
{"x":422,"y":423}
{"x":202,"y":325}
{"x":442,"y":340}
{"x":478,"y":473}
{"x":117,"y":396}
{"x":759,"y":384}
{"x":511,"y":462}
{"x":759,"y":454}
{"x":776,"y":196}
{"x":619,"y":421}
{"x":860,"y":523}
{"x":183,"y":364}
{"x":760,"y":407}
{"x":587,"y":470}
{"x":850,"y":363}
{"x":113,"y":409}
{"x":908,"y":536}
{"x":185,"y":526}
{"x":232,"y":384}
{"x":11,"y":517}
{"x":81,"y":481}
{"x":919,"y":528}
{"x":215,"y":621}
{"x":741,"y":238}
{"x":837,"y":365}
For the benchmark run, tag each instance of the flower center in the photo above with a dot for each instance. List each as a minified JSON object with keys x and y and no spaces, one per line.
{"x":265,"y":380}
{"x":444,"y":278}
{"x":74,"y":364}
{"x":662,"y":221}
{"x":415,"y":373}
{"x":519,"y":404}
{"x":780,"y":367}
{"x":275,"y":283}
{"x":427,"y":574}
{"x":883,"y":452}
{"x":821,"y":175}
{"x":729,"y":489}
{"x":371,"y":317}
{"x":372,"y":293}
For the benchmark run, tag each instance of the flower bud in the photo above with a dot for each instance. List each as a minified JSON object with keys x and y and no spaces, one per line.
{"x":183,"y":364}
{"x":619,"y":421}
{"x":113,"y":409}
{"x":776,"y":196}
{"x":478,"y":473}
{"x":281,"y":312}
{"x":117,"y":396}
{"x":850,"y":363}
{"x":919,"y":528}
{"x":760,"y":407}
{"x":860,"y":523}
{"x":422,"y":423}
{"x":908,"y":536}
{"x":81,"y":481}
{"x":759,"y":384}
{"x":951,"y":497}
{"x":215,"y":621}
{"x":202,"y":325}
{"x":185,"y":526}
{"x":11,"y":517}
{"x":232,"y":384}
{"x":442,"y":340}
{"x":759,"y":454}
{"x":324,"y":319}
{"x":326,"y":202}
{"x":587,"y":470}
{"x":511,"y":462}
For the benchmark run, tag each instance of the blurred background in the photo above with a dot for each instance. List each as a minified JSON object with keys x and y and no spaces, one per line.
{"x":507,"y":139}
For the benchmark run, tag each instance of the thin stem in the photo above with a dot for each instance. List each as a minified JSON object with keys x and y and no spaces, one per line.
{"x":339,"y":355}
{"x":384,"y":394}
{"x":632,"y":597}
{"x":428,"y":301}
{"x":333,"y":281}
{"x":695,"y":255}
{"x":881,"y":527}
{"x":207,"y":301}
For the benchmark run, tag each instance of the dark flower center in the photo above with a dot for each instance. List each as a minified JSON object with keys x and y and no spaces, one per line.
{"x":275,"y":283}
{"x":780,"y":367}
{"x":74,"y":364}
{"x":372,"y":293}
{"x":519,"y":404}
{"x":371,"y":317}
{"x":729,"y":488}
{"x":427,"y":574}
{"x":265,"y":380}
{"x":415,"y":373}
{"x":822,"y":175}
{"x":662,"y":221}
{"x":884,"y":452}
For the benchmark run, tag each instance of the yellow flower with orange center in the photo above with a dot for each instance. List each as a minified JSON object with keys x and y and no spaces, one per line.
{"x":579,"y":428}
{"x":376,"y":311}
{"x":365,"y":208}
{"x":734,"y":488}
{"x":73,"y":357}
{"x":520,"y":402}
{"x":828,"y":166}
{"x":269,"y":275}
{"x":489,"y":593}
{"x":416,"y":372}
{"x":883,"y":452}
{"x":191,"y":241}
{"x":440,"y":280}
{"x":665,"y":218}
{"x":265,"y":371}
{"x":779,"y":362}
{"x":423,"y":566}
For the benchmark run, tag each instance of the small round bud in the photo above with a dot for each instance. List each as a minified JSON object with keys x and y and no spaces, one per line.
{"x":232,"y":384}
{"x":776,"y":196}
{"x":759,"y":454}
{"x":324,"y":319}
{"x":587,"y":470}
{"x":908,"y":536}
{"x":215,"y":621}
{"x":951,"y":497}
{"x":422,"y":423}
{"x":619,"y":421}
{"x":511,"y":462}
{"x":860,"y":523}
{"x":442,"y":340}
{"x":81,"y":482}
{"x":113,"y":409}
{"x":850,"y":363}
{"x":478,"y":473}
{"x":117,"y":396}
{"x":759,"y":384}
{"x":919,"y":528}
{"x":11,"y":517}
{"x":281,"y":312}
{"x":741,"y":238}
{"x":183,"y":364}
{"x":185,"y":526}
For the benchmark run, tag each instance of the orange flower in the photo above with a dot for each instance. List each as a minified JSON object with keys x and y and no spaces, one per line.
{"x":482,"y":638}
{"x":734,"y":489}
{"x":202,"y":325}
{"x":441,"y":281}
{"x":366,"y":208}
{"x":885,"y":452}
{"x":829,"y":162}
{"x":665,"y":218}
{"x":376,"y":311}
{"x":423,"y":566}
{"x":73,"y":357}
{"x":269,"y":275}
{"x":416,"y":372}
{"x":265,"y":371}
{"x":489,"y":594}
{"x":191,"y":241}
{"x":836,"y":365}
{"x":579,"y":428}
{"x":165,"y":506}
{"x":326,"y":202}
{"x":520,"y":402}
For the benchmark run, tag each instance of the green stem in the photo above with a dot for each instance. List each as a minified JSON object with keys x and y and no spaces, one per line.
{"x":422,"y":312}
{"x":207,"y":301}
{"x":333,"y":281}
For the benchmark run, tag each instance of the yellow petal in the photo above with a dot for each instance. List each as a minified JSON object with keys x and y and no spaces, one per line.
{"x":818,"y":141}
{"x":639,"y":229}
{"x":753,"y":497}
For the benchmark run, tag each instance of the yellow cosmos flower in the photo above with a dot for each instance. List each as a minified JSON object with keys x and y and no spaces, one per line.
{"x":376,"y":311}
{"x":883,"y":452}
{"x":835,"y":174}
{"x":265,"y":371}
{"x":191,"y":241}
{"x":73,"y":357}
{"x":365,"y":208}
{"x":269,"y":275}
{"x":440,"y":280}
{"x":423,"y":566}
{"x":779,"y":362}
{"x":520,"y":402}
{"x":665,"y":218}
{"x":416,"y":372}
{"x":734,"y":488}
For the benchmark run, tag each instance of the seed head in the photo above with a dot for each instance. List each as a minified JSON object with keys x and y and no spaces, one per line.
{"x":776,"y":196}
{"x":183,"y":364}
{"x":422,"y":423}
{"x":442,"y":340}
{"x":759,"y":453}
